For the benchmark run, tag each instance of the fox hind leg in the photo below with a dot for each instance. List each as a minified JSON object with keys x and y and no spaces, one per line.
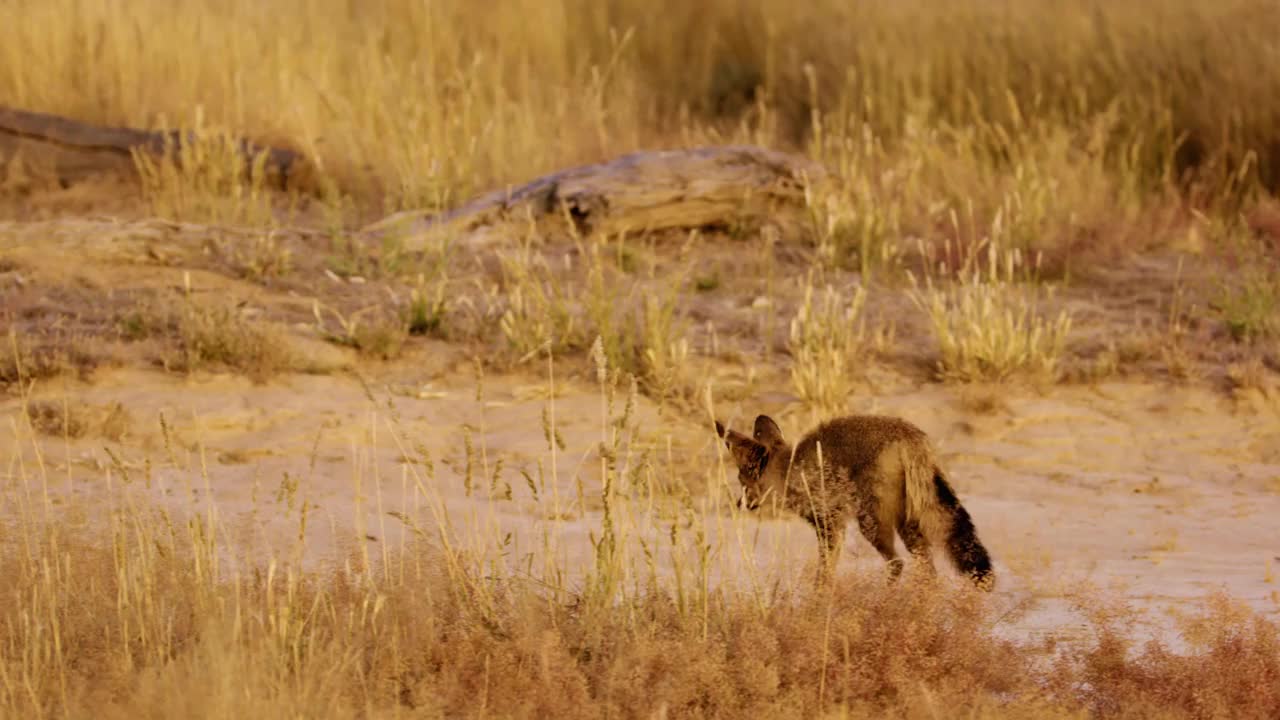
{"x":917,"y":544}
{"x":880,"y":536}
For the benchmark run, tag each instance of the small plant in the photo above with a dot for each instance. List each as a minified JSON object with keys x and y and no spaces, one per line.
{"x":1249,"y":374}
{"x":1173,"y":349}
{"x":663,"y":345}
{"x":1249,"y":303}
{"x":19,"y":361}
{"x":707,"y":283}
{"x":982,"y":400}
{"x":539,"y":314}
{"x":58,"y":419}
{"x":134,"y":325}
{"x":988,"y":324}
{"x":25,"y":357}
{"x":381,"y":337}
{"x":220,"y":335}
{"x":373,"y":332}
{"x":260,"y":257}
{"x":72,"y":419}
{"x":427,"y":308}
{"x":825,"y":342}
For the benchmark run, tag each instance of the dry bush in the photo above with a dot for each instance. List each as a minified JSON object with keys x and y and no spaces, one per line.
{"x":25,"y":357}
{"x":75,"y":419}
{"x":259,"y":258}
{"x":220,"y":336}
{"x":428,"y":638}
{"x":982,"y":400}
{"x":56,"y":419}
{"x":1232,"y":670}
{"x":379,"y":335}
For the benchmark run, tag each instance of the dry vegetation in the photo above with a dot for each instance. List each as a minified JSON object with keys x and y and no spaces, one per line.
{"x":1022,"y":192}
{"x":129,"y":610}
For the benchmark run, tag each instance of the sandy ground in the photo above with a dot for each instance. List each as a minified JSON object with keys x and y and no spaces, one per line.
{"x":1157,"y":494}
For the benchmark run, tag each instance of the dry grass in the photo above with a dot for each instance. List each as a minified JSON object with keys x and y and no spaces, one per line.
{"x":220,"y":336}
{"x":205,"y":180}
{"x":981,"y":400}
{"x":375,"y":332}
{"x":989,"y":326}
{"x":540,"y":315}
{"x":1076,"y":134}
{"x":826,"y":340}
{"x":140,"y":615}
{"x":74,"y":419}
{"x":26,"y":357}
{"x":423,"y":105}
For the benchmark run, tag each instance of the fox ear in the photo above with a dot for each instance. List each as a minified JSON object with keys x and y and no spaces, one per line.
{"x":767,"y":432}
{"x":745,"y":451}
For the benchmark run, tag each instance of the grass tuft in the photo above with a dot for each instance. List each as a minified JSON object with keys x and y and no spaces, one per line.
{"x":206,"y":179}
{"x":220,"y":336}
{"x":826,"y":343}
{"x":988,"y":324}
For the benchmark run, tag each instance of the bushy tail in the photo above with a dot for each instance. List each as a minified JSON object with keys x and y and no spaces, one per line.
{"x":966,"y":550}
{"x":932,"y":504}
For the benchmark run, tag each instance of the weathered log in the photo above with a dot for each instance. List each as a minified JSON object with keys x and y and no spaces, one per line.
{"x":72,"y":150}
{"x":643,"y":191}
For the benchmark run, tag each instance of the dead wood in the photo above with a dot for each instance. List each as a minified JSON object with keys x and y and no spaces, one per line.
{"x":71,"y":150}
{"x":645,"y":191}
{"x":717,"y":186}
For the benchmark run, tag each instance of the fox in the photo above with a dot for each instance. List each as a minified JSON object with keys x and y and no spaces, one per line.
{"x":880,"y":471}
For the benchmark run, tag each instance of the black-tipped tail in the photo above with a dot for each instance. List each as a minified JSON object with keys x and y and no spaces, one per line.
{"x":963,"y":546}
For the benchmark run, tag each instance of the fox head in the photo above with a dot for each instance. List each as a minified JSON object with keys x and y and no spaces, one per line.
{"x":762,"y":461}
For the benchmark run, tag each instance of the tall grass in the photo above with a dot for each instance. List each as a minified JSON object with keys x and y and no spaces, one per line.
{"x":133,"y":608}
{"x":424,"y":103}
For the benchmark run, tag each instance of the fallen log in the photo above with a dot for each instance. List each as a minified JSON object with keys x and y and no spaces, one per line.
{"x":643,"y":191}
{"x":722,"y":186}
{"x":72,"y":150}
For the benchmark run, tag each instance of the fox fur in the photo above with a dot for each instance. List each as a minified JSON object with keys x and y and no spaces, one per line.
{"x":878,"y":471}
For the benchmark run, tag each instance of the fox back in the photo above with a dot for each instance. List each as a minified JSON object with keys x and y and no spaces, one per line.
{"x":847,"y":464}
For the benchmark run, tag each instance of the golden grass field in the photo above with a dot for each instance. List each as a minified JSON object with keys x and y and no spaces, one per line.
{"x":253,"y":465}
